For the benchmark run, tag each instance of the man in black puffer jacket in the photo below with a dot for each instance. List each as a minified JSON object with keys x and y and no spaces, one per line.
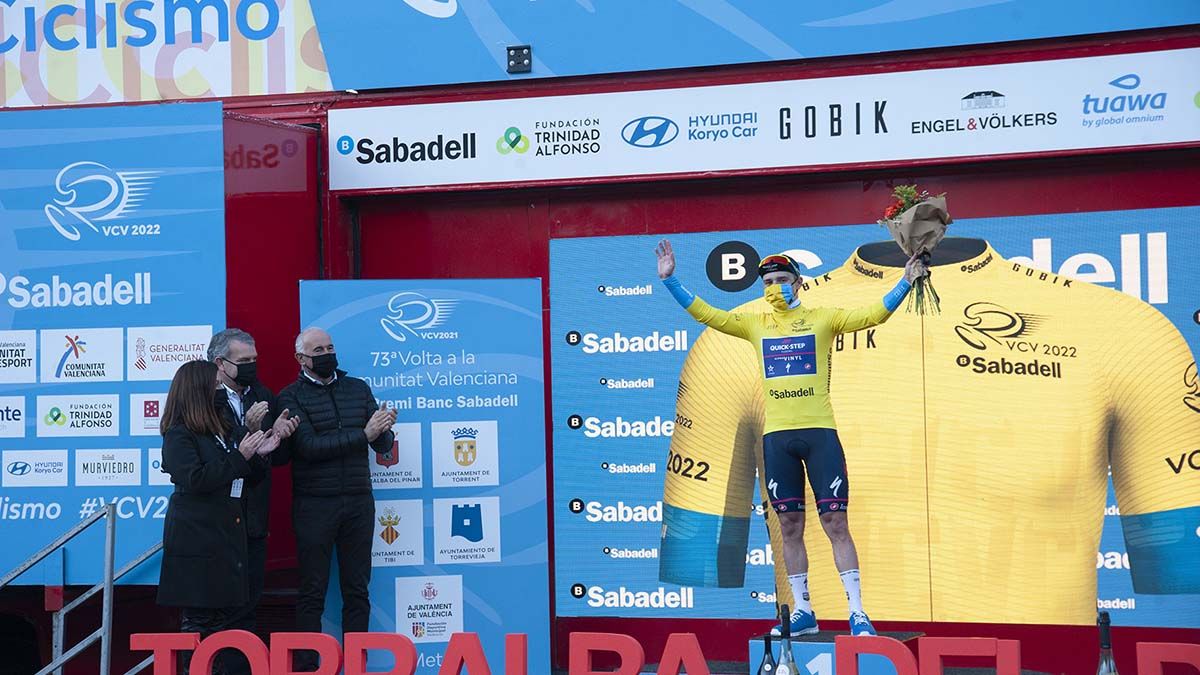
{"x":340,"y":424}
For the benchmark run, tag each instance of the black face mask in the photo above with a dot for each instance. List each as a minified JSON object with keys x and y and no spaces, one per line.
{"x":247,"y":373}
{"x":324,"y":365}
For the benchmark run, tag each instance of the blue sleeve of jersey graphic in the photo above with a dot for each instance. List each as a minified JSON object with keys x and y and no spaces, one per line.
{"x":896,"y":295}
{"x":682,"y":295}
{"x":1164,"y":550}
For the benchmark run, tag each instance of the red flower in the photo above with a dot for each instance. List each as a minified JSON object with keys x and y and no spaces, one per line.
{"x":893,"y":210}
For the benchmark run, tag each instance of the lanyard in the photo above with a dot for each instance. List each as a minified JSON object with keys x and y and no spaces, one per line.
{"x":235,"y":488}
{"x":239,"y":407}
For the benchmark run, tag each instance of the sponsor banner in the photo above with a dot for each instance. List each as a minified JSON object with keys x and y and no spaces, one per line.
{"x":429,"y":609}
{"x":108,"y":467}
{"x":1035,"y":311}
{"x":12,"y":417}
{"x":154,"y":471}
{"x":465,"y":453}
{"x":1096,"y":102}
{"x":399,"y":533}
{"x":466,"y":530}
{"x":35,"y":468}
{"x":395,"y":468}
{"x":65,"y":52}
{"x":145,"y":414}
{"x":464,"y":41}
{"x":462,"y":489}
{"x":156,"y":353}
{"x":113,"y":247}
{"x":88,"y":355}
{"x":79,"y":416}
{"x":18,"y":356}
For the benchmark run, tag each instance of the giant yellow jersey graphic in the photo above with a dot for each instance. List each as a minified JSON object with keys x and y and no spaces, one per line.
{"x":979,"y":441}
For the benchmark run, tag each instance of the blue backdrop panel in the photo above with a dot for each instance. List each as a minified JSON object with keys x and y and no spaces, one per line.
{"x":112,"y":273}
{"x":461,"y":538}
{"x":608,"y":486}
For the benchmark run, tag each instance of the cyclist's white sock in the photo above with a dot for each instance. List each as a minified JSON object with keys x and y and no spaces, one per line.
{"x":853,"y":586}
{"x":799,"y":584}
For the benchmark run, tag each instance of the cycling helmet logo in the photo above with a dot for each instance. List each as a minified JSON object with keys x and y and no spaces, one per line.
{"x":652,"y":131}
{"x":90,"y":192}
{"x":986,"y":321}
{"x":412,"y":312}
{"x":1190,"y":380}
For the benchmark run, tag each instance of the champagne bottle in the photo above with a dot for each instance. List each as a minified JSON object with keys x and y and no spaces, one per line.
{"x":767,"y":667}
{"x":787,"y":666}
{"x":1107,"y":665}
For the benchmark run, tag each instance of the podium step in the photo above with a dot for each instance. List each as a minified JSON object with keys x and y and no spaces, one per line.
{"x":829,"y":635}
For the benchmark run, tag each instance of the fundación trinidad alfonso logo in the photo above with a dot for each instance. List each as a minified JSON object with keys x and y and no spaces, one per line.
{"x":414,"y":315}
{"x":512,"y":141}
{"x":55,"y":417}
{"x":389,"y":520}
{"x":91,"y":194}
{"x":464,"y":445}
{"x":76,"y":348}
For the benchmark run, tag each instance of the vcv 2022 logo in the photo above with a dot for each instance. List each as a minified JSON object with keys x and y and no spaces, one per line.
{"x":987,"y":324}
{"x":93,"y":195}
{"x":414,"y":315}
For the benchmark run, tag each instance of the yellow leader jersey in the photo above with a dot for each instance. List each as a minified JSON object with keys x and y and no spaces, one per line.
{"x":979,"y":441}
{"x":793,"y":350}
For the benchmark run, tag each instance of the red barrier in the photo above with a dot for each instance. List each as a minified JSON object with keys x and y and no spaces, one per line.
{"x":847,"y":649}
{"x":1151,"y":656}
{"x":682,"y":652}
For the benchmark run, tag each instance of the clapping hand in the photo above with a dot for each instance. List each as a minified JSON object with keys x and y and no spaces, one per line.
{"x":255,"y":415}
{"x":258,"y":443}
{"x":284,"y":425}
{"x":380,"y":422}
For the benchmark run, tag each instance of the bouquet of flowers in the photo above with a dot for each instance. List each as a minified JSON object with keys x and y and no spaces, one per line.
{"x":917,"y":221}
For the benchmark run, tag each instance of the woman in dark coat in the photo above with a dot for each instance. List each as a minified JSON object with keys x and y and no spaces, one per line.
{"x":204,"y":535}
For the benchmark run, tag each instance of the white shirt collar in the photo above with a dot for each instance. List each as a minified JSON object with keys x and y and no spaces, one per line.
{"x":318,"y":382}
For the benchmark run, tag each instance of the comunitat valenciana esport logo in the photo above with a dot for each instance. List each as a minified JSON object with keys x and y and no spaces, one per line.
{"x":414,"y":316}
{"x":93,"y":198}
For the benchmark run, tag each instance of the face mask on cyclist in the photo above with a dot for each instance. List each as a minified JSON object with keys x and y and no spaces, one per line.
{"x":779,"y":296}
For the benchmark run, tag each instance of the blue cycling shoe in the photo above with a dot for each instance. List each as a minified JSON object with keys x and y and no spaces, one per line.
{"x":802,"y":623}
{"x":860,"y":624}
